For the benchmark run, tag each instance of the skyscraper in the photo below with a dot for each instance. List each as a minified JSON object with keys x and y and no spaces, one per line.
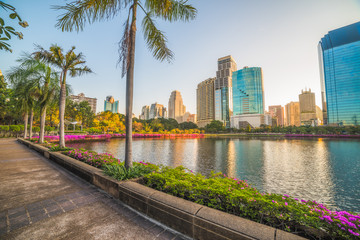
{"x":145,"y":113}
{"x":248,"y":97}
{"x":157,"y":111}
{"x":81,"y":97}
{"x":205,"y":102}
{"x":292,"y":110}
{"x":176,"y":106}
{"x":339,"y":58}
{"x":309,"y":112}
{"x":223,"y":89}
{"x":111,"y":105}
{"x":277,"y":112}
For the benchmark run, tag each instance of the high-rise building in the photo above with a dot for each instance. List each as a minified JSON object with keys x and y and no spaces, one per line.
{"x":176,"y":106}
{"x":145,"y":113}
{"x":308,"y":110}
{"x":277,"y":112}
{"x":292,"y":110}
{"x":248,"y":91}
{"x":248,"y":97}
{"x":188,"y":117}
{"x":205,"y":100}
{"x":157,"y":111}
{"x":339,"y":58}
{"x":223,"y":89}
{"x":81,"y":97}
{"x":111,"y":105}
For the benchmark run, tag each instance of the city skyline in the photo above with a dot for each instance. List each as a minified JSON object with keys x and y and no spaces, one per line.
{"x":273,"y":34}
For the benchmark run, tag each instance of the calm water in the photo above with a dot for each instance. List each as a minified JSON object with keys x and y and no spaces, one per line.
{"x":327,"y":171}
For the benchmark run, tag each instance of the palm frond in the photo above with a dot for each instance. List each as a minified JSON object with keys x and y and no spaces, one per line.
{"x":124,"y":49}
{"x":78,"y":13}
{"x":78,"y":71}
{"x":156,"y":40}
{"x":171,"y":10}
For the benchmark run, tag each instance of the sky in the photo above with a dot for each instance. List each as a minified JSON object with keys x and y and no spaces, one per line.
{"x":280,"y":36}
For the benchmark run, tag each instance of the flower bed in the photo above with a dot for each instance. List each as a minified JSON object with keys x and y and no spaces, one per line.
{"x":77,"y":138}
{"x":239,"y":198}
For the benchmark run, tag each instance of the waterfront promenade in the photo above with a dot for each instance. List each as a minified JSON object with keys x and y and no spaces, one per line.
{"x":40,"y":200}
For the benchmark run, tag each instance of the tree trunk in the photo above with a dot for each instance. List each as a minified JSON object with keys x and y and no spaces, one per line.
{"x":26,"y":119}
{"x":31,"y":123}
{"x":129,"y":90}
{"x":42,"y":125}
{"x":62,"y":103}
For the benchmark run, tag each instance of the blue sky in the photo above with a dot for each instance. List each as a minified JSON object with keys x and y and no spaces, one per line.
{"x":281,"y":36}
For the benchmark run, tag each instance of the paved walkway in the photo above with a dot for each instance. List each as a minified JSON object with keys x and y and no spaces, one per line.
{"x":41,"y":200}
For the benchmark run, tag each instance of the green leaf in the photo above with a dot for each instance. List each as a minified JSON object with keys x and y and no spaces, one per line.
{"x":7,"y":34}
{"x":2,"y":21}
{"x":9,"y":28}
{"x":13,"y":15}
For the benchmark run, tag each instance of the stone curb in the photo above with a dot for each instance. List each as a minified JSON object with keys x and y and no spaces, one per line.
{"x":194,"y":220}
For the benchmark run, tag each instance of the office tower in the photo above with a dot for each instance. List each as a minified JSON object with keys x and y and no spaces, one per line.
{"x":309,"y":112}
{"x":145,"y":113}
{"x":111,"y":105}
{"x":176,"y":106}
{"x":187,"y":117}
{"x":223,"y":89}
{"x":277,"y":112}
{"x":81,"y":97}
{"x":205,"y":107}
{"x":157,"y":111}
{"x":292,"y":110}
{"x":248,"y":97}
{"x":339,"y":58}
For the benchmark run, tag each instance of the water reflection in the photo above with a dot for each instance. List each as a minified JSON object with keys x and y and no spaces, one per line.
{"x":327,"y":171}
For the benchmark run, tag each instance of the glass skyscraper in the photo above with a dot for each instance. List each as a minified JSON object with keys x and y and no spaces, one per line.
{"x":339,"y":57}
{"x":248,"y":91}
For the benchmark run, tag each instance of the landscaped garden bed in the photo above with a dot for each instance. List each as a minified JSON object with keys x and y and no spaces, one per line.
{"x":104,"y":137}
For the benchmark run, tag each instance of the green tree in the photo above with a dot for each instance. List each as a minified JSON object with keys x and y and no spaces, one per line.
{"x":78,"y":13}
{"x":8,"y":30}
{"x":187,"y":125}
{"x":215,"y":126}
{"x":68,"y":63}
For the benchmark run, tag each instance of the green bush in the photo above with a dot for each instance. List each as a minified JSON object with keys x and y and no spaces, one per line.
{"x":14,"y":128}
{"x":36,"y":129}
{"x":4,"y":128}
{"x":237,"y":197}
{"x":49,"y":129}
{"x":119,"y":171}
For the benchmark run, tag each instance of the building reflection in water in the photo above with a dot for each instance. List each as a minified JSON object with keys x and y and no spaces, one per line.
{"x":299,"y":168}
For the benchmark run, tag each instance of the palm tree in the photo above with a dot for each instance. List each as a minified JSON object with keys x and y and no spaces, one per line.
{"x":78,"y":13}
{"x":71,"y":63}
{"x":35,"y":84}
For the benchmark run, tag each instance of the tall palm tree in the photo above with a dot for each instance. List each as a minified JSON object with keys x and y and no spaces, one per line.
{"x":70,"y":63}
{"x":35,"y":84}
{"x":24,"y":90}
{"x":80,"y":12}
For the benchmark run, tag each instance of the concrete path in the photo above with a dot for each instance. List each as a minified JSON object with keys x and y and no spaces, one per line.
{"x":41,"y":200}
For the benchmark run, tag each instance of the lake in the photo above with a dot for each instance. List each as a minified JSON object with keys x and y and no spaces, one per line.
{"x":327,"y":171}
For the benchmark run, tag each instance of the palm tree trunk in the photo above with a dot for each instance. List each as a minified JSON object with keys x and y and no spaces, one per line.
{"x":31,"y":122}
{"x":129,"y":90}
{"x":62,"y":103}
{"x":42,"y":125}
{"x":26,"y":119}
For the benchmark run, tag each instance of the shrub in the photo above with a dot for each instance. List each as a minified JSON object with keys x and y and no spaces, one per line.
{"x":119,"y":172}
{"x":239,"y":198}
{"x":92,"y":158}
